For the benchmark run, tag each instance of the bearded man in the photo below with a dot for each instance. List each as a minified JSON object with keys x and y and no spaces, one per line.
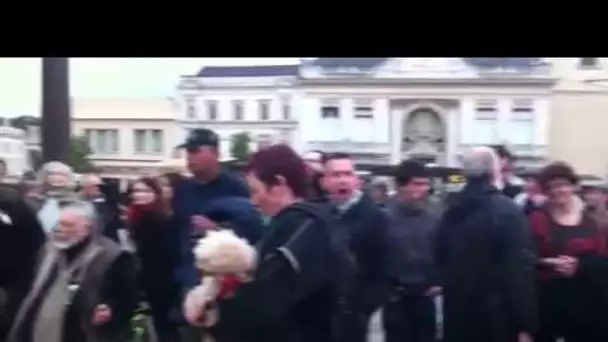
{"x":83,"y":289}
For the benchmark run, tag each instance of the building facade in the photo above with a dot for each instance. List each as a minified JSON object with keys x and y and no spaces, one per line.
{"x":579,"y":114}
{"x":380,"y":110}
{"x":258,"y":101}
{"x":129,"y":137}
{"x":13,"y":152}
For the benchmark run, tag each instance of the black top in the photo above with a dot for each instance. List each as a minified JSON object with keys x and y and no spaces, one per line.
{"x":291,"y":297}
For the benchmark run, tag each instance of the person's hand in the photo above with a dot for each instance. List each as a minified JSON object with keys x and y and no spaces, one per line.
{"x":201,"y":224}
{"x":102,"y":314}
{"x":552,"y":262}
{"x":538,"y":199}
{"x":524,"y":337}
{"x":433,"y":291}
{"x":568,"y":265}
{"x":193,"y":306}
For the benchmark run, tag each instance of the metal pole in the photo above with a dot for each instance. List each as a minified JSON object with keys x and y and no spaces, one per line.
{"x":55,"y":110}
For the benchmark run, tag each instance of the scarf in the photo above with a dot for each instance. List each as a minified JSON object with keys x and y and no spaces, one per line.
{"x":48,"y":215}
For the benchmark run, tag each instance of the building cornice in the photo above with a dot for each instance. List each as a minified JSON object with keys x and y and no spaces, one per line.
{"x":244,"y":124}
{"x":486,"y":81}
{"x":156,"y":120}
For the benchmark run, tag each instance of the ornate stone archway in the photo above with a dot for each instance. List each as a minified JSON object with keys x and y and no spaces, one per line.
{"x":424,"y":134}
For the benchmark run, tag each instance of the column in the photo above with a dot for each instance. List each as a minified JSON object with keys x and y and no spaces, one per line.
{"x":395,"y":122}
{"x":452,"y":134}
{"x":466,"y":121}
{"x":347,"y":120}
{"x":542,"y":107}
{"x":503,"y":120}
{"x":55,"y":109}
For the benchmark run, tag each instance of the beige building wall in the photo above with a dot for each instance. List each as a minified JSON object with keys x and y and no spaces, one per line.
{"x":578,"y":125}
{"x":125,"y":116}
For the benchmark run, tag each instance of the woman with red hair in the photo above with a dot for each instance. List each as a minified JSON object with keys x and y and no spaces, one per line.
{"x":573,"y":297}
{"x":149,"y":219}
{"x":292,"y":294}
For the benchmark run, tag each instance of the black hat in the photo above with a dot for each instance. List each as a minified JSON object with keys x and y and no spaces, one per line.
{"x":200,"y":137}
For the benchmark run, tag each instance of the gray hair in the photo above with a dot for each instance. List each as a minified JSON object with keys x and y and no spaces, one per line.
{"x":481,"y":161}
{"x":56,"y":167}
{"x":83,"y":208}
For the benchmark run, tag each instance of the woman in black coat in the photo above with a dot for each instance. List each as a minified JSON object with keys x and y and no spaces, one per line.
{"x":150,"y":222}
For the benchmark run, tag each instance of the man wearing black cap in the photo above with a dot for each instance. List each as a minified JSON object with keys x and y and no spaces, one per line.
{"x":209,"y":182}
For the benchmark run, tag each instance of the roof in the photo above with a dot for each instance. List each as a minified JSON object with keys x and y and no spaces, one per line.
{"x":360,"y":63}
{"x":249,"y":71}
{"x":527,"y":62}
{"x":363,"y":63}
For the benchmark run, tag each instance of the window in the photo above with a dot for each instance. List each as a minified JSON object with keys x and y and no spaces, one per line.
{"x":148,"y":141}
{"x":522,"y":110}
{"x":486,"y":110}
{"x":212,"y":110}
{"x":363,"y":109}
{"x":264,"y":110}
{"x":286,"y":109}
{"x":330,"y":109}
{"x":237,"y":110}
{"x":589,"y":63}
{"x":102,"y":141}
{"x":486,"y":125}
{"x":190,"y":108}
{"x":522,"y":122}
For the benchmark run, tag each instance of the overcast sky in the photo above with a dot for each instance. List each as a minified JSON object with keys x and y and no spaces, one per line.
{"x":105,"y":77}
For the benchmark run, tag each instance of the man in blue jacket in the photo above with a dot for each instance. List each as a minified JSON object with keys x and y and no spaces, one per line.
{"x":210,"y":188}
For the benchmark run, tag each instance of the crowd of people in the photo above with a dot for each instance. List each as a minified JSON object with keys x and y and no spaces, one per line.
{"x":511,"y":262}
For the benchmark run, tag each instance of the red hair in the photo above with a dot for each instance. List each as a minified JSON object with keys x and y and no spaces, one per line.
{"x":281,"y":160}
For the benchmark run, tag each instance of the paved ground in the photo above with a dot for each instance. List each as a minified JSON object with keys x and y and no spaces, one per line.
{"x":376,"y":333}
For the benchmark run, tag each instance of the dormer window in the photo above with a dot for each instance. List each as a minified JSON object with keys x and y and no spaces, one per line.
{"x":589,"y":63}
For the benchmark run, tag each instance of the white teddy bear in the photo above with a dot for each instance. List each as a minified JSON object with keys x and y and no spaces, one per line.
{"x":219,"y":254}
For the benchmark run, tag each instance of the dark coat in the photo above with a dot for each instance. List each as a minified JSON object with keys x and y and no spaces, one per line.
{"x":190,"y":198}
{"x":292,"y":294}
{"x":369,"y":233}
{"x":158,"y":255}
{"x":484,"y":253}
{"x":109,"y":279}
{"x":20,"y":239}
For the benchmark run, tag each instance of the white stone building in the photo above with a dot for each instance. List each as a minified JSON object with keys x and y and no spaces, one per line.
{"x":258,"y":100}
{"x":381,"y":110}
{"x":13,"y":152}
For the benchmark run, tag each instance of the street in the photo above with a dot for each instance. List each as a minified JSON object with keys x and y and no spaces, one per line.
{"x":376,"y":333}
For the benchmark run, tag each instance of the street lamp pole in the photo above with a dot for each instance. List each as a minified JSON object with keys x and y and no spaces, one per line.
{"x":55,"y":109}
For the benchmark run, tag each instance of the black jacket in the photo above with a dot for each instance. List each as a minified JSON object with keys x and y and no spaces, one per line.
{"x":158,"y":255}
{"x":368,"y":229}
{"x":21,"y":236}
{"x":412,"y":232}
{"x":292,"y":294}
{"x":485,"y":256}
